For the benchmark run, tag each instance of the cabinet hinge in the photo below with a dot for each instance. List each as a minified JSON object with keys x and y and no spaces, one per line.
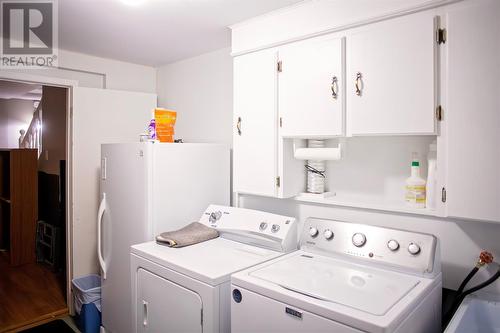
{"x":279,"y":67}
{"x":278,"y":181}
{"x":281,"y":122}
{"x":439,"y":113}
{"x":443,"y":194}
{"x":441,"y":36}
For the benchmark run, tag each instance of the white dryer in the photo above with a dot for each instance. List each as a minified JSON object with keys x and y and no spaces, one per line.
{"x":188,"y":289}
{"x":344,"y":278}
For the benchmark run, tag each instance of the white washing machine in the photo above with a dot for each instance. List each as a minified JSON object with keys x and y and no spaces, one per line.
{"x":188,"y":289}
{"x":344,"y":278}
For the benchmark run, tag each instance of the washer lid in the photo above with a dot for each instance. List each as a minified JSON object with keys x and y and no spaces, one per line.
{"x":363,"y":288}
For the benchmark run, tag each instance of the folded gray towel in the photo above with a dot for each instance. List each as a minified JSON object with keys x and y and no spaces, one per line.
{"x":191,"y":234}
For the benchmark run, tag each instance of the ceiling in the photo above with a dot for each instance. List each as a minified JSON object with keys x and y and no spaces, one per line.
{"x":153,"y":32}
{"x":18,"y":90}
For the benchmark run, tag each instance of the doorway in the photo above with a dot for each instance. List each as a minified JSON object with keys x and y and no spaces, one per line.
{"x":33,"y":203}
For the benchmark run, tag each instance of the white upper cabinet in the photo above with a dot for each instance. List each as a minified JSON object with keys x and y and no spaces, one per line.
{"x":255,"y":123}
{"x":472,"y":114}
{"x":311,"y":88}
{"x":390,"y":83}
{"x":389,"y":75}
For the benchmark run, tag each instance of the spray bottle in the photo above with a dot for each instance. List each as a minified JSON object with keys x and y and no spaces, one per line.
{"x":431,"y":176}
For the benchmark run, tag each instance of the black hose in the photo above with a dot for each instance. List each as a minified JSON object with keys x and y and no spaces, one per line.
{"x":466,"y":280}
{"x":484,"y":284}
{"x":460,"y":296}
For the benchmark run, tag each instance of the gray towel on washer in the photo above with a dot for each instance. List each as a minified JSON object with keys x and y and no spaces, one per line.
{"x":191,"y":234}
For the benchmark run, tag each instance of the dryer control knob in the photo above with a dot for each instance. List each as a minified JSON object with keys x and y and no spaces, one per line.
{"x":393,"y":245}
{"x":358,"y":239}
{"x":413,"y":249}
{"x":328,"y":234}
{"x":263,"y":226}
{"x":313,"y":232}
{"x":214,"y":216}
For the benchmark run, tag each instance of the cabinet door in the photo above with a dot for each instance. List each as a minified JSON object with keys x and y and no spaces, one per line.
{"x":310,"y":89}
{"x":255,"y":123}
{"x":472,"y":116}
{"x":393,"y":64}
{"x":163,"y":306}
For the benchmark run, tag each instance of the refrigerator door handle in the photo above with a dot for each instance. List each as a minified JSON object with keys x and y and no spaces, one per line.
{"x":102,"y":208}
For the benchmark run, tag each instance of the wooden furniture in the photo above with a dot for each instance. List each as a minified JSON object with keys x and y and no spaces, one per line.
{"x":18,"y":204}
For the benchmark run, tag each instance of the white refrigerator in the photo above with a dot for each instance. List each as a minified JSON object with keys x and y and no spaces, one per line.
{"x":148,"y":188}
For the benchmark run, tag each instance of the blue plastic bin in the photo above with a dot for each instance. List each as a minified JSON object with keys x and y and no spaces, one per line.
{"x":89,"y":319}
{"x":87,"y":295}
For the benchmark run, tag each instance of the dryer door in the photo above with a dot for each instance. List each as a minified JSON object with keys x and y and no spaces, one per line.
{"x":163,"y":306}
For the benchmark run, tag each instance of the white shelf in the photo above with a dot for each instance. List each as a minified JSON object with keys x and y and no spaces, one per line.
{"x":365,"y":203}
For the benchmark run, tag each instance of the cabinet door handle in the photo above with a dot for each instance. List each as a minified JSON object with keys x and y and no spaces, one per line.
{"x":144,"y":313}
{"x":358,"y":83}
{"x":335,"y":87}
{"x":238,"y":125}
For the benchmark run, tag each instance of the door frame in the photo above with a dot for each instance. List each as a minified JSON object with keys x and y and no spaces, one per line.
{"x":69,"y":85}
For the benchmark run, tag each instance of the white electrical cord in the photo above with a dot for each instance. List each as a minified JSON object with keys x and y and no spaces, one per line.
{"x":316,"y":170}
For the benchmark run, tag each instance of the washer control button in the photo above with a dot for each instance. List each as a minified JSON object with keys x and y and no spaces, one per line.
{"x":313,"y":232}
{"x":328,"y":234}
{"x":414,"y":249}
{"x":275,"y":228}
{"x":263,"y":226}
{"x":358,"y":239}
{"x":393,"y":245}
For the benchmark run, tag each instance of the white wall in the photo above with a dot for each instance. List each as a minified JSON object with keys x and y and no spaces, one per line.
{"x":15,"y":114}
{"x":197,"y":88}
{"x":96,"y":72}
{"x":461,"y":241}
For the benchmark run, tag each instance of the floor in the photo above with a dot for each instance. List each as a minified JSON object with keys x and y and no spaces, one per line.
{"x":71,"y":323}
{"x":29,"y":294}
{"x":60,"y":325}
